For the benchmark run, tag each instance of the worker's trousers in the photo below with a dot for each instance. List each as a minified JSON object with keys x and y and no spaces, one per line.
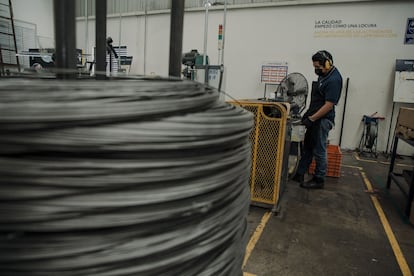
{"x":315,"y":148}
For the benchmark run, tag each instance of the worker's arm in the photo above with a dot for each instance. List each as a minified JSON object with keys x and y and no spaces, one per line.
{"x":322,"y":111}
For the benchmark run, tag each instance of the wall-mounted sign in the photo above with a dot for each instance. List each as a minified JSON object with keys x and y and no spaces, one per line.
{"x":274,"y":72}
{"x":338,"y":28}
{"x":409,"y":32}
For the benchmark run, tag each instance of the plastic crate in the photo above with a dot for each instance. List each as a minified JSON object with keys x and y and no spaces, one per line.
{"x":334,"y":162}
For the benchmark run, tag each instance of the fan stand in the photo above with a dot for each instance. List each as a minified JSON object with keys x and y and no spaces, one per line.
{"x":298,"y":83}
{"x":265,"y":90}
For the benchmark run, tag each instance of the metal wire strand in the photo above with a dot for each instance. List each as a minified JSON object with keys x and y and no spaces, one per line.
{"x":131,"y":177}
{"x":37,"y":104}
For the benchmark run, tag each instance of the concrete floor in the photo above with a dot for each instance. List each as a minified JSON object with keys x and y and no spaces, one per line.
{"x":337,"y":230}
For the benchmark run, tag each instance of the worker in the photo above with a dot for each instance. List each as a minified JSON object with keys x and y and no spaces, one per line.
{"x":319,"y":119}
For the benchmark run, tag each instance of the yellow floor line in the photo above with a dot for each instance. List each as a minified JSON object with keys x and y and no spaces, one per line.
{"x":380,"y":162}
{"x":248,"y":274}
{"x":396,"y":164}
{"x":354,"y":167}
{"x":387,"y":227}
{"x":255,"y":237}
{"x":365,"y":160}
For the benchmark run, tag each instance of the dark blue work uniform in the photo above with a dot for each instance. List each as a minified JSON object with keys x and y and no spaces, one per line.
{"x":327,"y":88}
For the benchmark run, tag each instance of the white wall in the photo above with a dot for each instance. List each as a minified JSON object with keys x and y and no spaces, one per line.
{"x":277,"y":33}
{"x":39,"y":12}
{"x":288,"y":33}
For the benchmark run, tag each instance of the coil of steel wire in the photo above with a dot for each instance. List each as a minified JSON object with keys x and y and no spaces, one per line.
{"x":123,"y":177}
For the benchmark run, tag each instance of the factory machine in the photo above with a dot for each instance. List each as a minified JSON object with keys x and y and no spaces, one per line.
{"x":196,"y":70}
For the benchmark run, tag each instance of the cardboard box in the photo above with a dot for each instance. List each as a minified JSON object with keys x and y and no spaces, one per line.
{"x":406,"y":117}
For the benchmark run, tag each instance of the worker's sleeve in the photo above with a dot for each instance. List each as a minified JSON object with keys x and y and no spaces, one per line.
{"x":333,"y":90}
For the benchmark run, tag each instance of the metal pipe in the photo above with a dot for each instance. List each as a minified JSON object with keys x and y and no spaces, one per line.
{"x":86,"y":31}
{"x":206,"y":5}
{"x":343,"y":113}
{"x":176,"y":37}
{"x":65,"y":36}
{"x":119,"y":36}
{"x":389,"y":131}
{"x":14,"y":35}
{"x":145,"y":38}
{"x":224,"y":32}
{"x":100,"y":39}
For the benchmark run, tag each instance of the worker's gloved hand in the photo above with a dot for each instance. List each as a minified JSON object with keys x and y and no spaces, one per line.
{"x":307,"y":122}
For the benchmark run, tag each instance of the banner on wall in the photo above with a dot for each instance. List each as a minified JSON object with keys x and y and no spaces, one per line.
{"x":409,"y":32}
{"x":340,"y":28}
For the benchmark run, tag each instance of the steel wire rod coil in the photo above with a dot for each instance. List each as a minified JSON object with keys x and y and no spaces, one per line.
{"x":122,"y":177}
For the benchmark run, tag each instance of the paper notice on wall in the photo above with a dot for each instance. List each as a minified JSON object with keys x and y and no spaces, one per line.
{"x":404,"y":81}
{"x":273,"y":72}
{"x":404,"y":87}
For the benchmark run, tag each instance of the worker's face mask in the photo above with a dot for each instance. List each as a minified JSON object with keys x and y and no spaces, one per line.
{"x":318,"y":71}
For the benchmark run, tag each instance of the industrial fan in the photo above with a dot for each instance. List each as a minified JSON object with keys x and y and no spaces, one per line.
{"x":294,"y":90}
